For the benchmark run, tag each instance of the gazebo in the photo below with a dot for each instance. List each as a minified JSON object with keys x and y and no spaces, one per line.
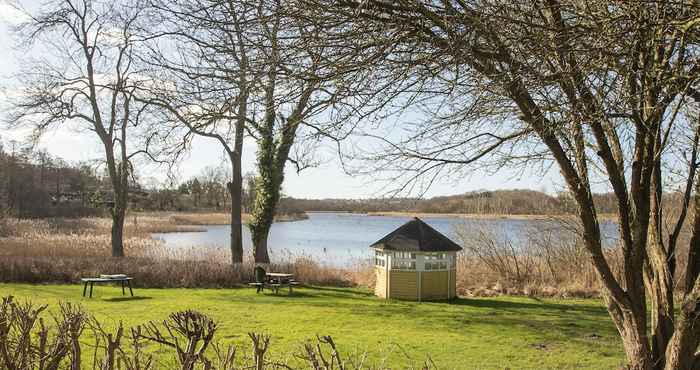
{"x":415,"y":262}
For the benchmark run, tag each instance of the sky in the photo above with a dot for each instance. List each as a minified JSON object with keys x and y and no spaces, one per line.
{"x":327,"y":180}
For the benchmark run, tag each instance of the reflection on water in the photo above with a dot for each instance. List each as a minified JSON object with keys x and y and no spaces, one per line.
{"x":338,"y":238}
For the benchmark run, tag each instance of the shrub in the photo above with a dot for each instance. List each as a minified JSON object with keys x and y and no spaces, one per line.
{"x":185,"y":340}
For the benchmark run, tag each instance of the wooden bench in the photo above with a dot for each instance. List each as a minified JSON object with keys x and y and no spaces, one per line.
{"x":275,"y":286}
{"x":125,"y":281}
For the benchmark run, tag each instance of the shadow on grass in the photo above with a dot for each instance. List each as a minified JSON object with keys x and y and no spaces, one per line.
{"x":537,"y":304}
{"x":126,"y":299}
{"x":285,"y":294}
{"x":552,"y":320}
{"x":316,"y":293}
{"x":345,"y":292}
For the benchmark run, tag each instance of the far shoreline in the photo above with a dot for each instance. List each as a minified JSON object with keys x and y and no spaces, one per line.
{"x":472,"y":216}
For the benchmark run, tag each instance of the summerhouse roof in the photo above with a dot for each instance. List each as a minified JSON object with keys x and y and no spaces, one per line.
{"x":416,"y":236}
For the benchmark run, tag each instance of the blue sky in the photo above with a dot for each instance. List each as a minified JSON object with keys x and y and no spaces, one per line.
{"x":325,"y":181}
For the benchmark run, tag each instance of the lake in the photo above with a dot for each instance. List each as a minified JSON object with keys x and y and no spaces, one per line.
{"x":341,"y":238}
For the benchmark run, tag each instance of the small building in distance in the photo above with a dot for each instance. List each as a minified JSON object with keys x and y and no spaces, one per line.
{"x":416,"y":262}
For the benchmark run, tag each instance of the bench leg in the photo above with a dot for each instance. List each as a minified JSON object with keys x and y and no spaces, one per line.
{"x":92,"y":284}
{"x":123,"y":292}
{"x":130,"y":291}
{"x":85,"y":288}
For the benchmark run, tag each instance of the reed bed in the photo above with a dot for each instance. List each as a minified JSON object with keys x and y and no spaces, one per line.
{"x":549,"y":260}
{"x":203,"y":218}
{"x":553,"y":263}
{"x":217,"y":218}
{"x":64,"y":250}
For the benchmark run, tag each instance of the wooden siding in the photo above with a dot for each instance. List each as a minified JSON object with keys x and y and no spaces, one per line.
{"x":380,"y":285}
{"x":434,"y":285}
{"x":403,"y":285}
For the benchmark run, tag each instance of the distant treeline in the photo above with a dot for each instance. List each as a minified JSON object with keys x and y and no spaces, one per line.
{"x":519,"y":201}
{"x":34,"y":184}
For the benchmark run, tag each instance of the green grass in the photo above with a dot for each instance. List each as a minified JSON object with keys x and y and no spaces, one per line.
{"x":479,"y":333}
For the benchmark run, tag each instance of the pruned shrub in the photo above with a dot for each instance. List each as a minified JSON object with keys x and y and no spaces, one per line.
{"x":186,"y":340}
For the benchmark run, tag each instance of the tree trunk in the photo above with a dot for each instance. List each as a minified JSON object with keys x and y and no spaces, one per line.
{"x":118,"y":216}
{"x":121,"y":192}
{"x":660,"y":291}
{"x":681,"y":350}
{"x":260,"y":245}
{"x":630,"y":322}
{"x":236,"y":185}
{"x":234,"y":188}
{"x":267,"y":195}
{"x":266,"y":199}
{"x":680,"y":354}
{"x":638,"y":354}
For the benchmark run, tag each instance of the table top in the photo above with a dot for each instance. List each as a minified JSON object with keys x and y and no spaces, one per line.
{"x":279,"y":274}
{"x":100,"y":280}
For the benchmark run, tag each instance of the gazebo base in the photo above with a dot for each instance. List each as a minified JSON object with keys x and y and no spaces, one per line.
{"x":416,"y":285}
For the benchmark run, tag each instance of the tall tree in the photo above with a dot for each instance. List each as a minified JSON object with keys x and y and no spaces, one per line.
{"x":86,"y":74}
{"x":308,"y":90}
{"x":255,"y":67}
{"x":601,"y":90}
{"x":202,"y":52}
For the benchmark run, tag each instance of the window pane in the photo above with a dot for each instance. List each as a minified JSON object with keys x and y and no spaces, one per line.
{"x":403,"y":265}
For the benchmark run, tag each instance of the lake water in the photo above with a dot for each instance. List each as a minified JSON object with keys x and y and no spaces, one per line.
{"x":341,"y":238}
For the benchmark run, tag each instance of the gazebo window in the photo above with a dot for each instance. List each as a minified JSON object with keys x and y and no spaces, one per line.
{"x":379,"y":259}
{"x":436,"y":261}
{"x":405,"y":255}
{"x":403,"y":261}
{"x":403,"y":265}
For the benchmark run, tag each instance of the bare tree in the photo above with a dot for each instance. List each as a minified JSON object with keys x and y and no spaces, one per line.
{"x":87,"y":75}
{"x":606,"y":92}
{"x":203,"y":56}
{"x":238,"y":67}
{"x":308,"y":90}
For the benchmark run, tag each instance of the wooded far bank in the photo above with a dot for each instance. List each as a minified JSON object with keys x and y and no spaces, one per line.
{"x":36,"y":184}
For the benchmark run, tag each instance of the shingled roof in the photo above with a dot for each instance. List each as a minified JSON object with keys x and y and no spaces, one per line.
{"x":416,"y":236}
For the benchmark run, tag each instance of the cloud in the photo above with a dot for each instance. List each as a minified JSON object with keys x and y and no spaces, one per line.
{"x":12,"y":13}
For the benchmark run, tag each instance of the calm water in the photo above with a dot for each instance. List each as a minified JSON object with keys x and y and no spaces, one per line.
{"x":340,"y":238}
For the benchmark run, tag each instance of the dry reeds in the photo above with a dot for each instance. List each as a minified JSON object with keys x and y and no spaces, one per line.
{"x":64,"y":250}
{"x":549,"y":261}
{"x":552,"y":262}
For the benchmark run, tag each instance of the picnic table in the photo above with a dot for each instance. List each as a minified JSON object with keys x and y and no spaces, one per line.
{"x":276,"y":280}
{"x":125,"y":281}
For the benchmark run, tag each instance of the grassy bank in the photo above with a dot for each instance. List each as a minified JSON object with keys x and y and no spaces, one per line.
{"x":479,"y":333}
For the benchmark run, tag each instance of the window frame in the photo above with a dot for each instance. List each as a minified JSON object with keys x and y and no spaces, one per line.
{"x":380,"y":258}
{"x":440,"y":261}
{"x":404,"y":261}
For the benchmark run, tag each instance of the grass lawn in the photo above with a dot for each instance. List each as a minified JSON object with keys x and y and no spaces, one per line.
{"x":478,"y":333}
